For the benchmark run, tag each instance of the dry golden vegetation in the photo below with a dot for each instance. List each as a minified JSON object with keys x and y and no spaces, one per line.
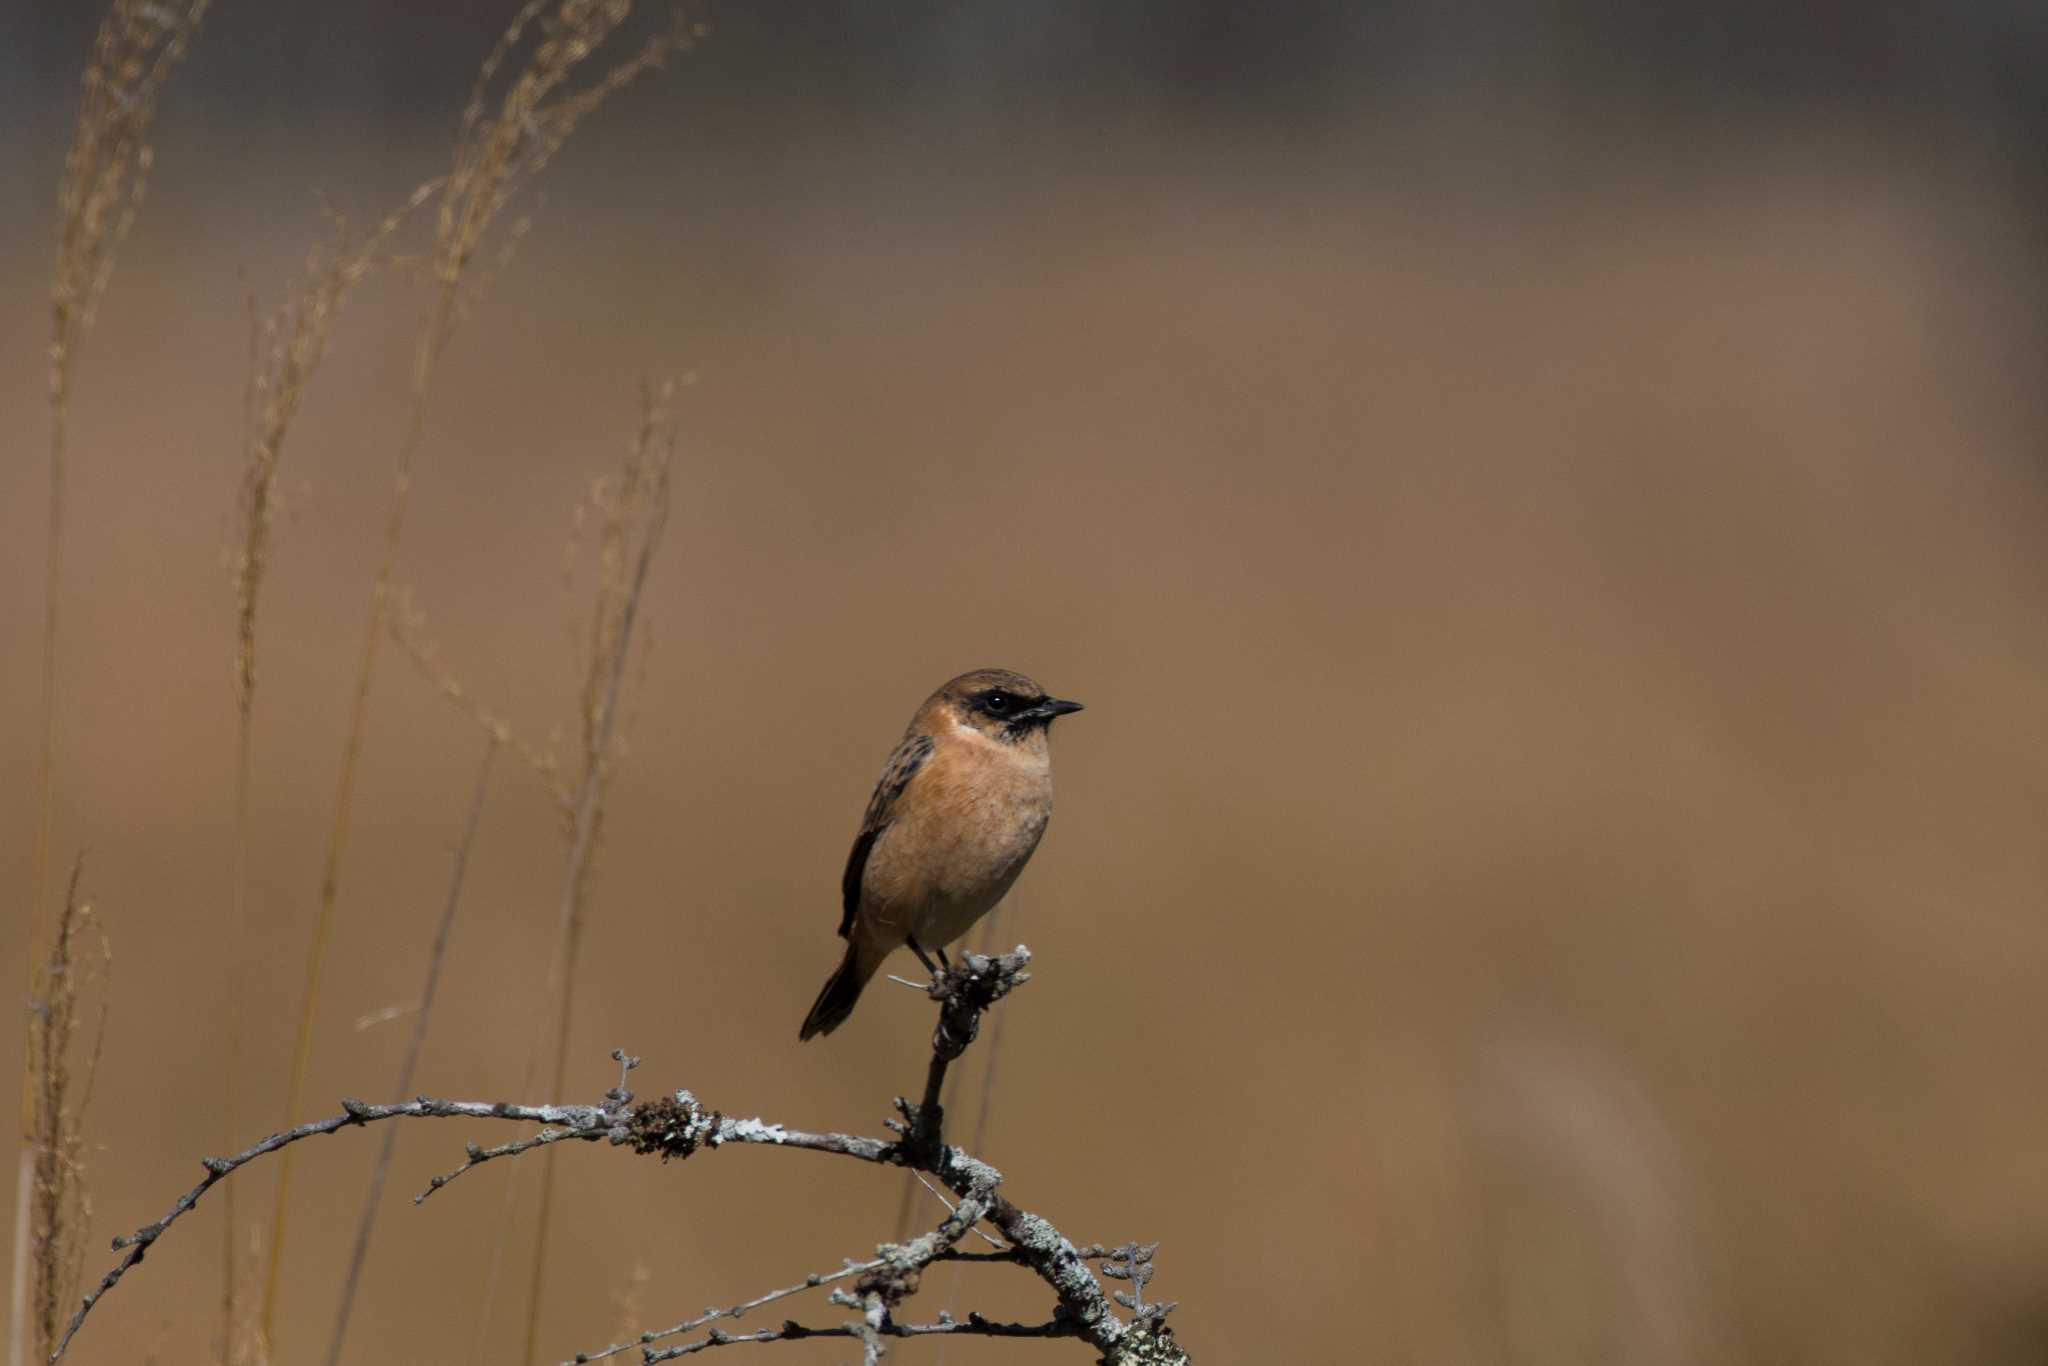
{"x":65,"y":1034}
{"x":505,"y":140}
{"x":508,"y":134}
{"x":1548,"y":872}
{"x":105,"y":174}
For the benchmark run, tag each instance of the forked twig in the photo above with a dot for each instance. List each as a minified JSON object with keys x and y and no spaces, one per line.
{"x":678,"y":1126}
{"x":974,"y":1325}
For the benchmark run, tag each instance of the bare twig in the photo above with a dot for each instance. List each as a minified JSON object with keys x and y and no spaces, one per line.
{"x":678,"y":1125}
{"x":477,"y":1156}
{"x":990,"y":937}
{"x":921,"y":1180}
{"x":987,"y":937}
{"x":874,"y":1314}
{"x":674,"y":1127}
{"x":973,"y":1326}
{"x":135,"y":1245}
{"x":735,"y":1311}
{"x":435,"y":957}
{"x":963,"y":993}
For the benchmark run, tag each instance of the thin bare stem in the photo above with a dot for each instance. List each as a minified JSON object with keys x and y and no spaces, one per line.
{"x":408,"y":629}
{"x":106,"y":172}
{"x":338,"y":831}
{"x":238,"y":895}
{"x":810,"y":1282}
{"x":672,"y":1126}
{"x":991,"y":936}
{"x":677,"y":1126}
{"x":636,"y":511}
{"x":285,"y":352}
{"x":63,"y":1072}
{"x":791,"y":1331}
{"x":986,"y":938}
{"x":496,"y":155}
{"x":508,"y":1205}
{"x":134,"y":1246}
{"x":17,"y":1298}
{"x":231,"y":1118}
{"x":435,"y":958}
{"x":964,"y":994}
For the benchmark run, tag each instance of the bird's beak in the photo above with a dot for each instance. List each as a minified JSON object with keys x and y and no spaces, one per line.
{"x":1055,"y":706}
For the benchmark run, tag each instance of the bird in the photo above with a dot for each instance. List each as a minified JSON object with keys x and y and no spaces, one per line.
{"x":955,"y":816}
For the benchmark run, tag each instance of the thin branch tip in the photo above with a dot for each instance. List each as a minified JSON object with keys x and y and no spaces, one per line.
{"x":676,"y":1125}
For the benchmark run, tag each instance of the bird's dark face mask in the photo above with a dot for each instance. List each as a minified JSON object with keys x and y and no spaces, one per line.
{"x":1015,"y":716}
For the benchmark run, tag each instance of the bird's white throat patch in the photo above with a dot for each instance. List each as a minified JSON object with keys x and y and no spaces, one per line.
{"x":1031,"y":752}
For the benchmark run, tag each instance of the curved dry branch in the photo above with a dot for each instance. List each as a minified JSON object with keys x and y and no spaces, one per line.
{"x":678,"y":1125}
{"x":791,"y":1331}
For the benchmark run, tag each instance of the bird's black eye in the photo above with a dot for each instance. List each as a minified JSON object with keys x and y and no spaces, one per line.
{"x":995,"y":703}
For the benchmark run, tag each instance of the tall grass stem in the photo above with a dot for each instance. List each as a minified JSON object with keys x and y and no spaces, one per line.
{"x":642,"y":495}
{"x":106,"y":170}
{"x":436,"y":958}
{"x":497,"y":153}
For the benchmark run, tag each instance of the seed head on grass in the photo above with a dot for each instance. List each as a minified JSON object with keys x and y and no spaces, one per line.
{"x":287,"y":349}
{"x":630,"y":509}
{"x":500,"y":147}
{"x":500,"y":150}
{"x":136,"y":47}
{"x":107,"y":169}
{"x":61,"y":1064}
{"x":409,"y":630}
{"x":105,"y":172}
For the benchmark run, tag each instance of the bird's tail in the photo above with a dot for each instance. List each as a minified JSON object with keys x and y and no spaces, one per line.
{"x":842,"y":991}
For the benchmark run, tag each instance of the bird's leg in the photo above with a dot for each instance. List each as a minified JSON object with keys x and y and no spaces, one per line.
{"x":944,"y":961}
{"x":924,"y":957}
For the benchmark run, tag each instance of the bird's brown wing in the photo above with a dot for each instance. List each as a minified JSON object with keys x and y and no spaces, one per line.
{"x":896,"y":775}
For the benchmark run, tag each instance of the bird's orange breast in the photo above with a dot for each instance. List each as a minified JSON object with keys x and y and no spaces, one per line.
{"x":958,"y":837}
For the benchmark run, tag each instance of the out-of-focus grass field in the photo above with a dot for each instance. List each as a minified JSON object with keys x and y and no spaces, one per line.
{"x":1551,"y":870}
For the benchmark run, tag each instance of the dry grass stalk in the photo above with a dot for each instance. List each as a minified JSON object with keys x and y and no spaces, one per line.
{"x":631,"y":510}
{"x":630,"y":1301}
{"x":243,"y":1344}
{"x":285,"y":352}
{"x":105,"y":174}
{"x":499,"y":150}
{"x":62,"y":1066}
{"x":288,"y":350}
{"x":409,"y":629}
{"x":436,"y":957}
{"x":106,"y":170}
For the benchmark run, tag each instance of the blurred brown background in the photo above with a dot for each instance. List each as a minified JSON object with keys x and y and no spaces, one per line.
{"x":1544,"y":511}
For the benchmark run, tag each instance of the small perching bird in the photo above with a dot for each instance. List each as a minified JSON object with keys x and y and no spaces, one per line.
{"x":959,"y":809}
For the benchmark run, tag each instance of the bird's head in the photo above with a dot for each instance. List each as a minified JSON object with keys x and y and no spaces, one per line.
{"x":1000,"y":704}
